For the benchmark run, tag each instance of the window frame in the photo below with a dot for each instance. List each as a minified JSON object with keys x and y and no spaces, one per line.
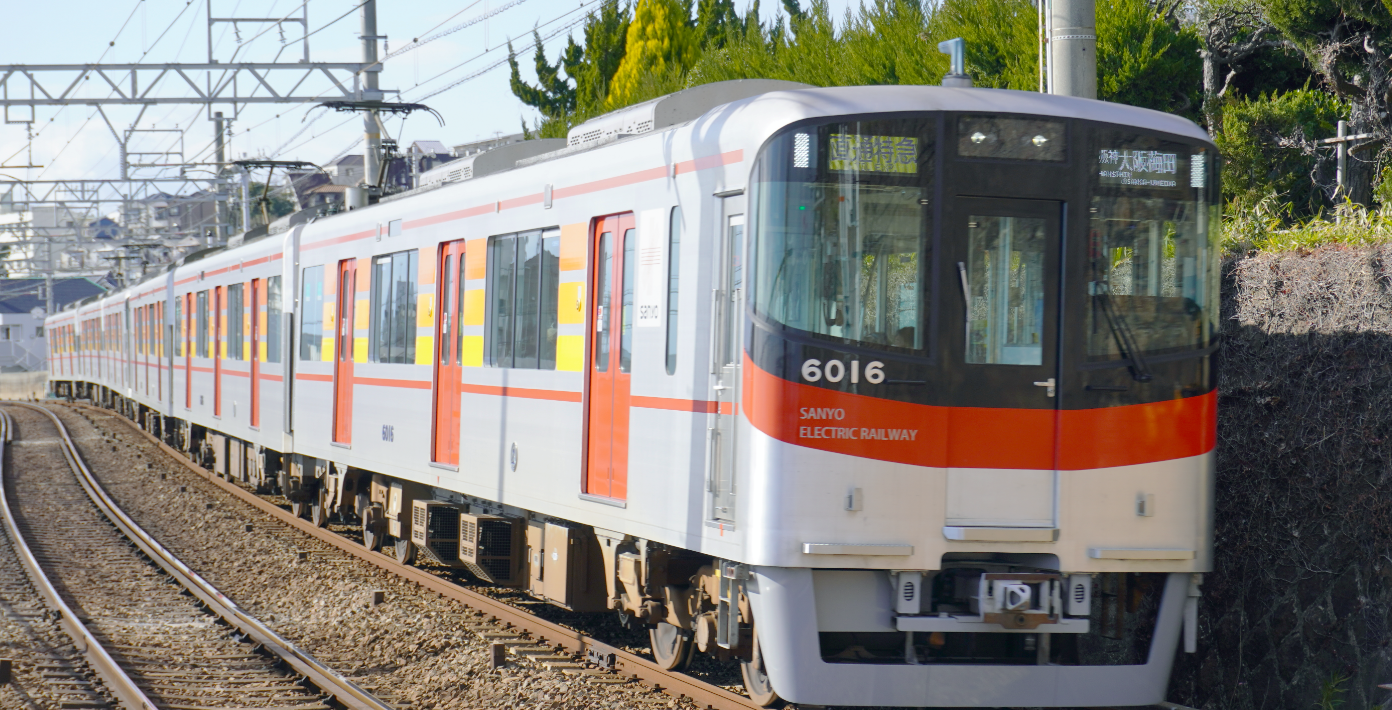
{"x":275,"y":315}
{"x":401,"y":318}
{"x":673,"y":321}
{"x":201,"y":324}
{"x":547,"y":300}
{"x":311,"y":345}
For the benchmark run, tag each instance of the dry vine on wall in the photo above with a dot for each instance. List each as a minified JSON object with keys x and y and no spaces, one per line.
{"x":1297,"y":610}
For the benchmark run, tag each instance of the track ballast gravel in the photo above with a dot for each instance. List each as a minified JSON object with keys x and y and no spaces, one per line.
{"x":179,"y":654}
{"x":413,"y":650}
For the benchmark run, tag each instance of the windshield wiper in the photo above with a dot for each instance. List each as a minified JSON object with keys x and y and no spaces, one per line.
{"x":1121,"y":332}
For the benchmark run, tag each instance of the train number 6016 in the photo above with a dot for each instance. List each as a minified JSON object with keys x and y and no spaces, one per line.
{"x":835,"y":371}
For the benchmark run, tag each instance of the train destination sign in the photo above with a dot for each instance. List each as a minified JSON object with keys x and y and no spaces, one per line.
{"x":872,"y":154}
{"x":1138,"y":168}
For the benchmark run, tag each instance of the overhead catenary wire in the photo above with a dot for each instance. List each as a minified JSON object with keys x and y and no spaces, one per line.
{"x":458,"y":82}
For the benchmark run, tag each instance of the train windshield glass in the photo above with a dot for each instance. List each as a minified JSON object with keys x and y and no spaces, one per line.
{"x":1153,"y":260}
{"x":842,"y":213}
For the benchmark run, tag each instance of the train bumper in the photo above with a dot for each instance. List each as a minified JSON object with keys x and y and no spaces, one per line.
{"x":785,"y":609}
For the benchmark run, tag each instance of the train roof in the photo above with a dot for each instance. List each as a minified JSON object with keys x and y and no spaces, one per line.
{"x":713,"y":121}
{"x":785,"y":107}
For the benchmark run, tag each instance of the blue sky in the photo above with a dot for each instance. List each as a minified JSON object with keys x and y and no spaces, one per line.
{"x":74,"y":142}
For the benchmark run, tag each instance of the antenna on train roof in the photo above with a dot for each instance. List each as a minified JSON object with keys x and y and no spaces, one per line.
{"x":956,"y":77}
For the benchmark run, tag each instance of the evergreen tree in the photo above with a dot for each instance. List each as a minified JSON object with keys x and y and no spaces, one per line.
{"x":569,"y":99}
{"x":714,"y":21}
{"x":660,"y":43}
{"x":606,"y":42}
{"x":554,"y":96}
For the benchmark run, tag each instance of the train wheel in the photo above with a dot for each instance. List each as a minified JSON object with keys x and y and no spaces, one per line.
{"x":671,"y":646}
{"x":756,"y":680}
{"x":405,"y":551}
{"x":319,"y":511}
{"x":298,"y":508}
{"x":372,"y":536}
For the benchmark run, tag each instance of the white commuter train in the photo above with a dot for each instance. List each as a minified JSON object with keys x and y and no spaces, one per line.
{"x":898,"y":395}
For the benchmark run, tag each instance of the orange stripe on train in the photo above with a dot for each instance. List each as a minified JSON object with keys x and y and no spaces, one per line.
{"x":977,"y":437}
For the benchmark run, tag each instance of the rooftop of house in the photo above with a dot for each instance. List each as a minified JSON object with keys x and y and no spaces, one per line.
{"x":24,"y":295}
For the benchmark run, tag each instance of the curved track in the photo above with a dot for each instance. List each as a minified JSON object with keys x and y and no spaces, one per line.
{"x":157,"y":634}
{"x":520,"y":630}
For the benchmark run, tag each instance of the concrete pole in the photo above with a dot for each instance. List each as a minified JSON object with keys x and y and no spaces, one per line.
{"x":371,"y":92}
{"x":1073,"y":48}
{"x":1341,"y":161}
{"x":246,"y":200}
{"x":48,"y":279}
{"x":220,"y":203}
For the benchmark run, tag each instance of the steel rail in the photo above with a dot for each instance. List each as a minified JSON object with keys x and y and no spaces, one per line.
{"x":543,"y":632}
{"x":344,"y":690}
{"x":113,"y":677}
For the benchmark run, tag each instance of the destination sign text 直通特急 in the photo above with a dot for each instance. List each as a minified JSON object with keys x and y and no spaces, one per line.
{"x":1138,"y":168}
{"x":872,"y":154}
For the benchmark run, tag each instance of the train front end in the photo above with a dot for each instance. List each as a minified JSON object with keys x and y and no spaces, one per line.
{"x":979,"y":405}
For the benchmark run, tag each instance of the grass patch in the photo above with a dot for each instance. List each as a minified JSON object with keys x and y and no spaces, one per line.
{"x":1267,"y":225}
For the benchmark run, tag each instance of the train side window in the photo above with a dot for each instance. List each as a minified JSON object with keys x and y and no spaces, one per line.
{"x":393,"y":323}
{"x":202,"y":328}
{"x":236,"y":321}
{"x":523,"y":275}
{"x":312,"y":313}
{"x":180,"y":328}
{"x":673,"y":273}
{"x":273,"y":311}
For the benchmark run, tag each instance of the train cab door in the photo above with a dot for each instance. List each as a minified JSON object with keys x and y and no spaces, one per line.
{"x":728,"y":359}
{"x":257,"y":302}
{"x":343,"y":352}
{"x":1003,"y":258}
{"x":448,"y":358}
{"x":219,"y":342}
{"x":615,"y":243}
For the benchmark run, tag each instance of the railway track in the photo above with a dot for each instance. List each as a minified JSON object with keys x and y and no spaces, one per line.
{"x":519,"y":632}
{"x":156,"y":634}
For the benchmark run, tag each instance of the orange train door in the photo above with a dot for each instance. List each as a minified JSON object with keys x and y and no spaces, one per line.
{"x":343,"y":357}
{"x":611,"y":332}
{"x":158,"y":345}
{"x":448,"y":371}
{"x":187,"y":344}
{"x":147,"y":347}
{"x":219,"y":318}
{"x":256,"y":298}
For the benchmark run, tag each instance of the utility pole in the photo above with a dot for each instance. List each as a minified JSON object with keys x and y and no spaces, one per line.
{"x":220,"y":204}
{"x":246,"y":200}
{"x":371,"y":92}
{"x":1073,"y":48}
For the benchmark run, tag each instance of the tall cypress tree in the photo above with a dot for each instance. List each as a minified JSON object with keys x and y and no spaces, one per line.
{"x":606,"y":40}
{"x":714,"y":19}
{"x":554,"y":96}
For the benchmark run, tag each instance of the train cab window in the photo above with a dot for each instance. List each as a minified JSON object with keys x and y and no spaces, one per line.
{"x":312,"y":313}
{"x":844,"y":211}
{"x":1153,"y":269}
{"x":673,"y":271}
{"x":393,"y":323}
{"x":236,"y":321}
{"x":1004,"y":279}
{"x":273,"y":311}
{"x":523,"y":273}
{"x":202,"y":327}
